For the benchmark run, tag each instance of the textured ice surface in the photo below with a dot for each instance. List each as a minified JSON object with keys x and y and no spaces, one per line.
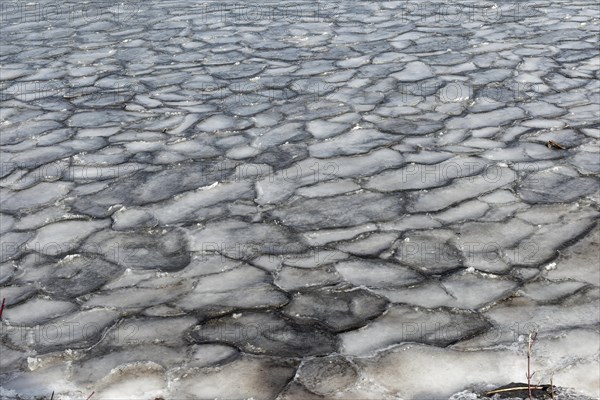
{"x":307,"y":200}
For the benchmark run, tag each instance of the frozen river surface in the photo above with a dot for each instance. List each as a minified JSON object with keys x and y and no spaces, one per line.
{"x":355,"y":200}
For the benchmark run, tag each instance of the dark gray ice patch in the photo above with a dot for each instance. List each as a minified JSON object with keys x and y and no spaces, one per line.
{"x":327,"y":375}
{"x":165,"y":250}
{"x":404,"y":127}
{"x":337,"y":212}
{"x":79,"y":275}
{"x":556,"y":185}
{"x":242,"y":240}
{"x":338,"y":309}
{"x":150,"y":187}
{"x":266,"y":333}
{"x":430,"y":252}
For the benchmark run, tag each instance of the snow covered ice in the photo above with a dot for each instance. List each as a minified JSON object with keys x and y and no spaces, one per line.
{"x":298,"y":200}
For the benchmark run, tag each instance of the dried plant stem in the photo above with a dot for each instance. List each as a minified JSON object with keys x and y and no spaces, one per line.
{"x":531,"y":339}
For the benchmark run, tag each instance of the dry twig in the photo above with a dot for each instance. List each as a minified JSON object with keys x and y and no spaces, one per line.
{"x":530,"y":341}
{"x":551,"y":144}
